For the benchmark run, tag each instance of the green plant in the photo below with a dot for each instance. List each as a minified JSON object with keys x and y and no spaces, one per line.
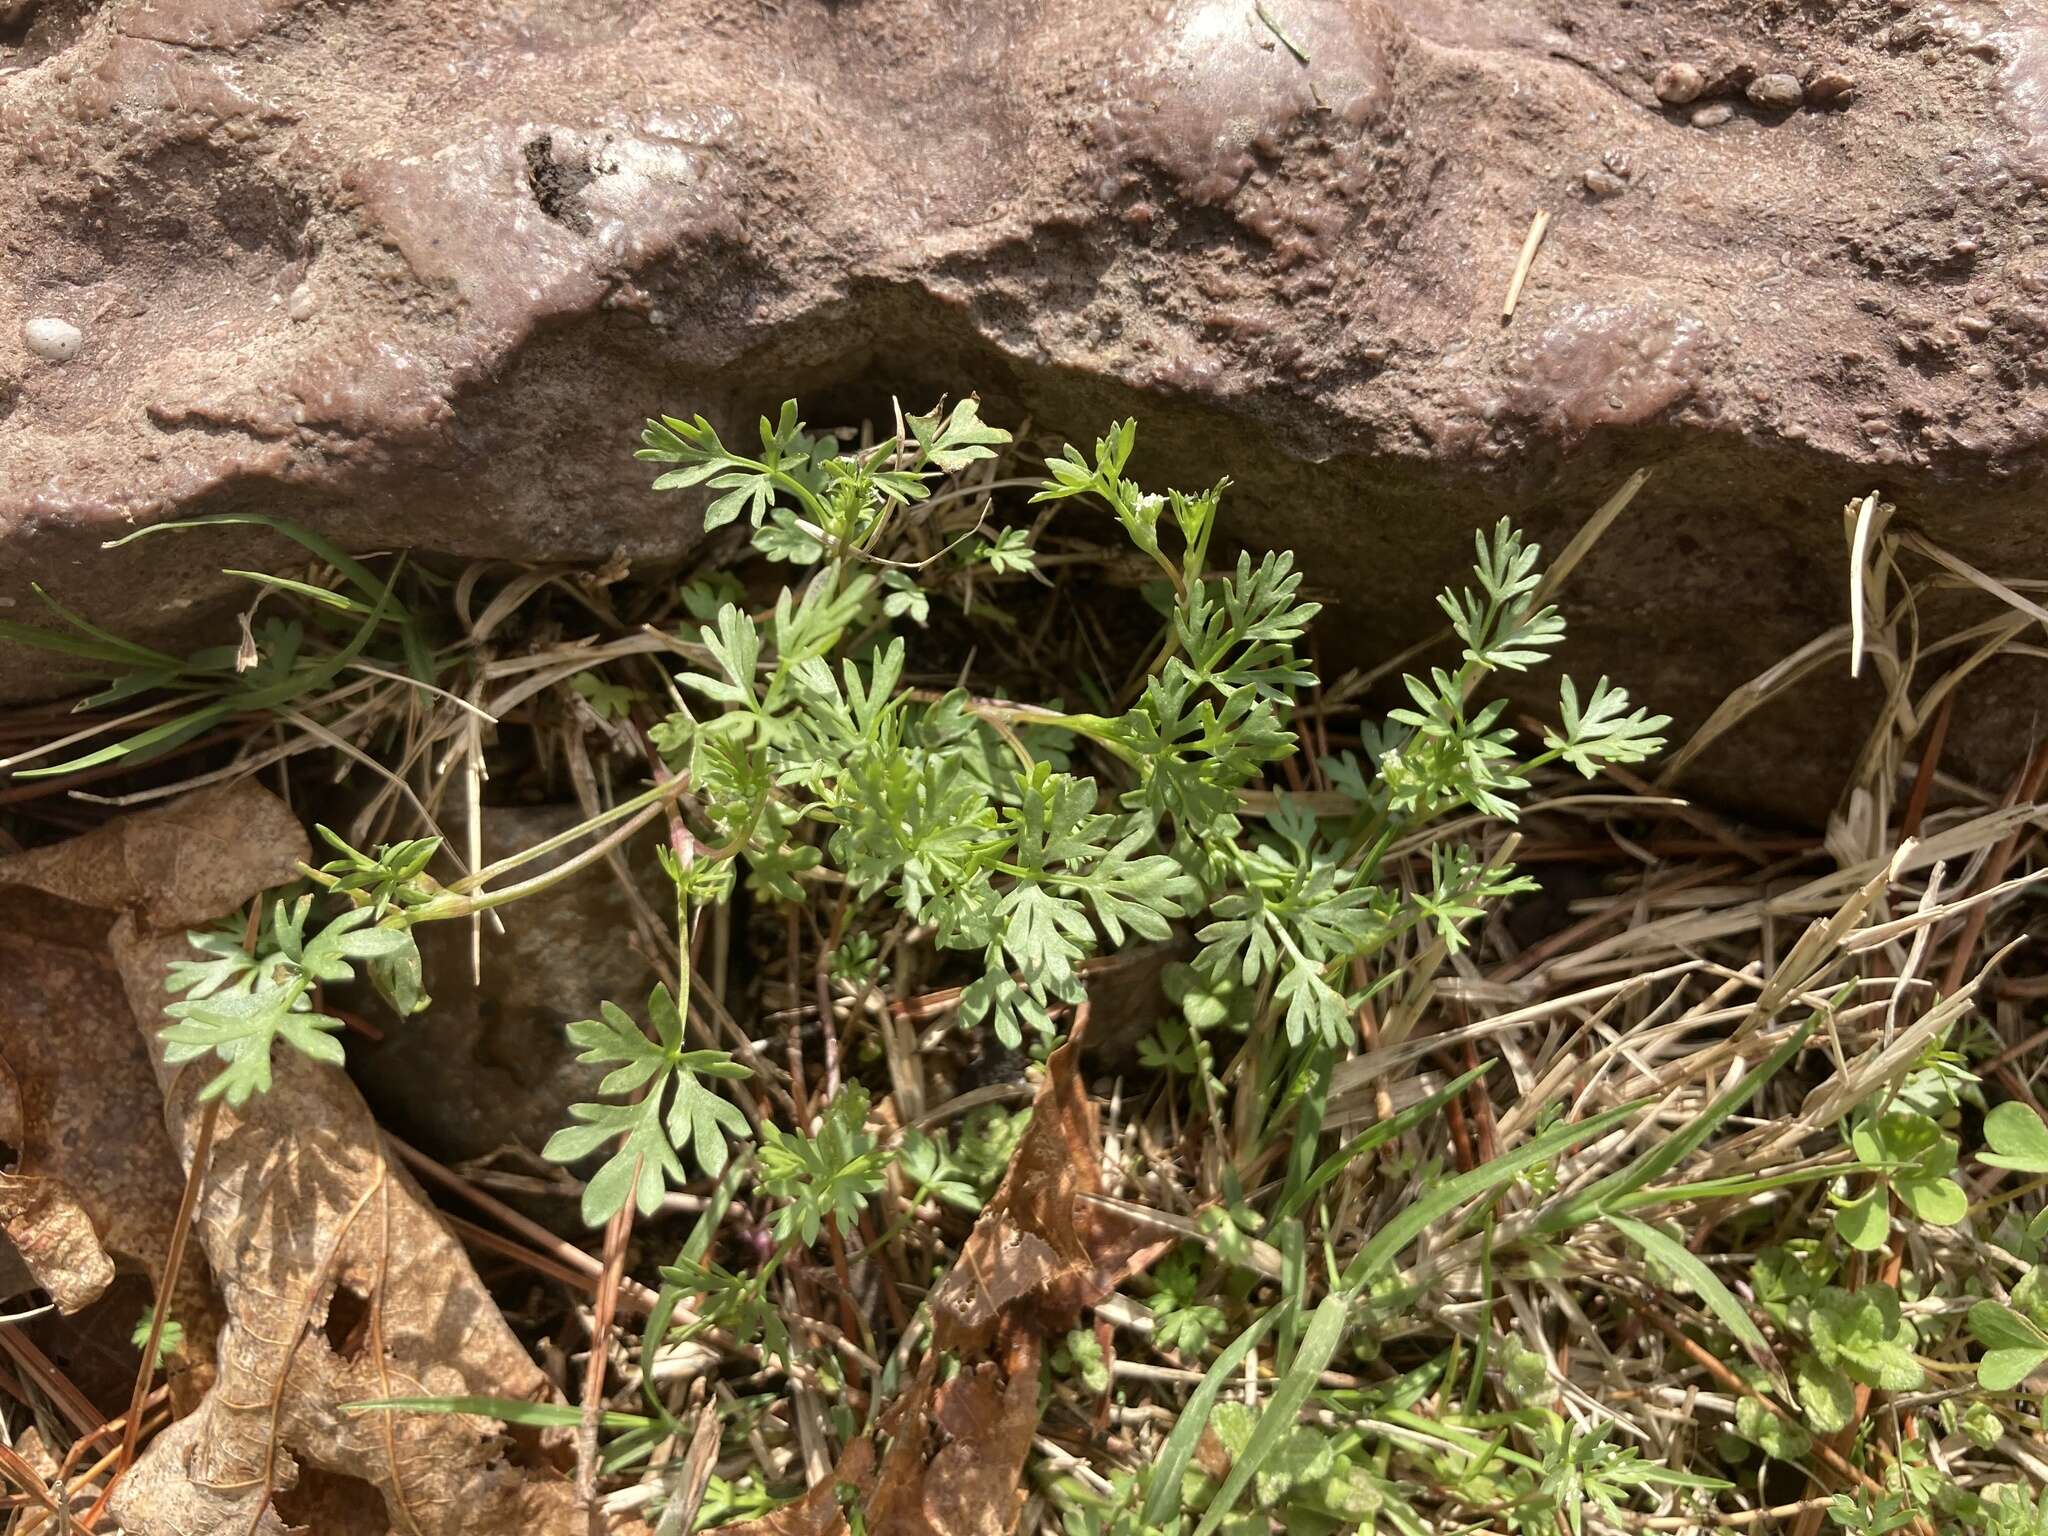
{"x":672,"y":1110}
{"x":931,"y":1168}
{"x":1913,"y":1160}
{"x":170,"y":1338}
{"x":2010,"y":1509}
{"x":828,"y":1177}
{"x":240,"y":1012}
{"x":1855,"y":1337}
{"x":1080,"y":1356}
{"x":2014,"y":1336}
{"x":278,"y":665}
{"x":1872,"y":1514}
{"x":1578,"y":1470}
{"x":1179,"y":1321}
{"x":258,"y":991}
{"x":2017,"y":1137}
{"x":808,"y":755}
{"x":1024,"y":865}
{"x":1313,"y":1480}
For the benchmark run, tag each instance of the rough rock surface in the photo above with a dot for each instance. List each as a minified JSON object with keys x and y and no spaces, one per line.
{"x":410,"y":273}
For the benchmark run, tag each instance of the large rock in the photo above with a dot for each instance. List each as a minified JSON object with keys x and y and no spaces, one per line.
{"x":411,"y":273}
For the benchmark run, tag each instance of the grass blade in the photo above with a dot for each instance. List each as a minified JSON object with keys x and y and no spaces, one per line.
{"x":305,"y":538}
{"x":1387,"y":1243}
{"x":1162,"y":1494}
{"x":1374,"y":1136}
{"x":142,"y":746}
{"x":1276,"y":1418}
{"x":1593,"y":1203}
{"x":1719,"y":1300}
{"x":325,"y":596}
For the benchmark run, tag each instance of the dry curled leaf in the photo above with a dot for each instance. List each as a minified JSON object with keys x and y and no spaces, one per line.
{"x":56,"y":1240}
{"x":1039,"y":1243}
{"x":975,"y":1483}
{"x":97,"y":1182}
{"x":338,"y":1281}
{"x":1038,"y":1255}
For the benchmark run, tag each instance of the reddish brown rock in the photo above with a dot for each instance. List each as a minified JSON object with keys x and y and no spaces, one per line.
{"x":411,"y":273}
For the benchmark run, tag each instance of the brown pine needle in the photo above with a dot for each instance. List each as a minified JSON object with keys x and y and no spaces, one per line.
{"x":1527,"y":259}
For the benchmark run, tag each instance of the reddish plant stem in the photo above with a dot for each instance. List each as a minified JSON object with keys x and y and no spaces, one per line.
{"x":602,"y":1316}
{"x":195,"y":1179}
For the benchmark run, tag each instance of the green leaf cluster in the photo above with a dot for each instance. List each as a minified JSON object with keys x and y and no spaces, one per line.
{"x":1181,"y":1321}
{"x":829,"y":1176}
{"x":238,"y":1011}
{"x":1913,"y":1160}
{"x":966,"y":815}
{"x":668,"y":1107}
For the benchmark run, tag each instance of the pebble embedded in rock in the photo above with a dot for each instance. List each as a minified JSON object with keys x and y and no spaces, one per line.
{"x":1677,"y":84}
{"x":1830,"y":88}
{"x":1604,"y":184}
{"x":1713,"y":116}
{"x":299,"y":305}
{"x":1776,"y":93}
{"x":53,"y":340}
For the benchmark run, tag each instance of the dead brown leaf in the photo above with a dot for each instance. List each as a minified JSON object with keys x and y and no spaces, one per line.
{"x":1038,"y":1255}
{"x":975,"y":1483}
{"x":98,"y":1180}
{"x":1038,"y":1241}
{"x":91,"y":1177}
{"x":55,"y":1240}
{"x":339,"y":1283}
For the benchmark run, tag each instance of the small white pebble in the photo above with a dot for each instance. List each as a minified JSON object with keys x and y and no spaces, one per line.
{"x":53,"y":340}
{"x":300,"y":304}
{"x":1678,"y":84}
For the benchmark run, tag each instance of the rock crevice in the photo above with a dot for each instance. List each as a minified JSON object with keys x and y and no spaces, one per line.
{"x":412,"y":274}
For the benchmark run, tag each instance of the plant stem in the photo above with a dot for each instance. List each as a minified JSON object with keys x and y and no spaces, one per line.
{"x":195,"y":1177}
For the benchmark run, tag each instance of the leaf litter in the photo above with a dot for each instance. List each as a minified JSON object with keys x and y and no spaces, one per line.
{"x":338,"y":1281}
{"x":1038,"y":1255}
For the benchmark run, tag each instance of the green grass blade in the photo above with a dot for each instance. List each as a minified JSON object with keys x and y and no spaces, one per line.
{"x":1591,"y":1204}
{"x":133,"y":685}
{"x":96,"y":645}
{"x":305,"y":538}
{"x":509,"y":1410}
{"x":1162,"y":1494}
{"x":299,"y":684}
{"x":1730,"y":1188}
{"x":325,"y":596}
{"x":1386,"y":1244}
{"x":1373,"y":1136}
{"x":1276,"y":1418}
{"x":142,"y":746}
{"x":141,"y":655}
{"x":1719,"y":1300}
{"x":83,"y":648}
